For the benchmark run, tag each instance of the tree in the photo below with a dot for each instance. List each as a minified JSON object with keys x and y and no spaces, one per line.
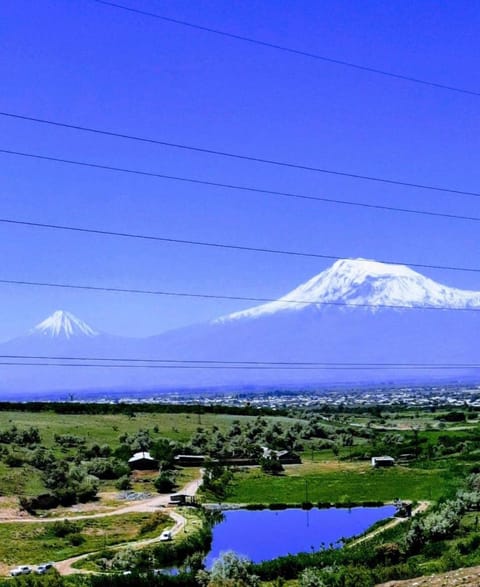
{"x":164,"y":483}
{"x":232,"y":570}
{"x":124,"y":483}
{"x":310,"y":577}
{"x":216,"y":478}
{"x":164,"y":451}
{"x":271,"y":465}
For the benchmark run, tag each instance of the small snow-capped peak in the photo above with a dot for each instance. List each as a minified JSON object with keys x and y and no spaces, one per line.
{"x":63,"y":324}
{"x":366,"y":283}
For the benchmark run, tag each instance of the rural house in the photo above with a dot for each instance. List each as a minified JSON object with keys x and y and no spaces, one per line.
{"x":143,"y":461}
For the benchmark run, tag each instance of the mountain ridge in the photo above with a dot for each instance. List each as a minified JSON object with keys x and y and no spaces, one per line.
{"x":63,"y":324}
{"x":365,"y":283}
{"x":268,"y":332}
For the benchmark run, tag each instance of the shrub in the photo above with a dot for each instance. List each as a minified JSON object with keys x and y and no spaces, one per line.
{"x":164,"y":483}
{"x":310,"y":577}
{"x":271,"y":465}
{"x":152,"y":523}
{"x":14,"y":460}
{"x":107,"y":468}
{"x":123,"y":483}
{"x":64,"y":528}
{"x":69,"y":440}
{"x":230,"y":569}
{"x":76,"y":539}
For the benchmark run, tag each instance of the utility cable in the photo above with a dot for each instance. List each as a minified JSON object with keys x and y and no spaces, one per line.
{"x":214,"y":367}
{"x":251,"y":363}
{"x":239,"y":187}
{"x":240,"y":156}
{"x":218,"y":245}
{"x":227,"y":297}
{"x":290,"y":50}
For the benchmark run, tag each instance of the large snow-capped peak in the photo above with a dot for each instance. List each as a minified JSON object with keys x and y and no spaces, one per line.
{"x":367,"y":283}
{"x":65,"y":325}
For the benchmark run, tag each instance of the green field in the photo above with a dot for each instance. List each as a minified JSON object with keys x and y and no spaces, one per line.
{"x":31,"y":543}
{"x":194,"y":524}
{"x":341,"y":483}
{"x":20,"y":481}
{"x":335,"y":451}
{"x":106,"y":428}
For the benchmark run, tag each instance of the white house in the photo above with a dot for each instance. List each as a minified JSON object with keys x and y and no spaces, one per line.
{"x":143,"y":461}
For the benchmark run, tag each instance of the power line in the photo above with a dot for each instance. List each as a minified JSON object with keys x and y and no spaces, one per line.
{"x":251,"y":363}
{"x":240,"y":156}
{"x":225,"y":297}
{"x":217,"y":367}
{"x":290,"y":50}
{"x":239,"y":187}
{"x":217,"y":245}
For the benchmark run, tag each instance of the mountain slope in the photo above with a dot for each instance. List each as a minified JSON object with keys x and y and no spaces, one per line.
{"x":363,"y":282}
{"x":357,"y":311}
{"x":63,"y":324}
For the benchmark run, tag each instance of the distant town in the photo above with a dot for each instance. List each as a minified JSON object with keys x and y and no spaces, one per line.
{"x":405,"y":396}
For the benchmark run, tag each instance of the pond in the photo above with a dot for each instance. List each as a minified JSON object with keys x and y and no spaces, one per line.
{"x":266,"y":534}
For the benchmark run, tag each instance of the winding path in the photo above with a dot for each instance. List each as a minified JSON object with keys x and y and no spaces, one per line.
{"x":143,"y":506}
{"x":421,"y":507}
{"x":65,"y":567}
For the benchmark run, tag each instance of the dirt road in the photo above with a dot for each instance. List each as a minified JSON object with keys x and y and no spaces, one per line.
{"x":421,"y":507}
{"x":145,"y":506}
{"x":65,"y":567}
{"x":142,"y":506}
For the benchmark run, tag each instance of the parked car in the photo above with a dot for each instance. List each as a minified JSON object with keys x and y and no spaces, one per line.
{"x":21,"y":570}
{"x":43,"y":568}
{"x":165,"y":535}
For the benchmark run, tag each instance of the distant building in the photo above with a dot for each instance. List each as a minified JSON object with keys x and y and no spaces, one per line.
{"x":189,"y":460}
{"x":284,"y":456}
{"x":143,"y":461}
{"x":383,"y":461}
{"x":182,"y":499}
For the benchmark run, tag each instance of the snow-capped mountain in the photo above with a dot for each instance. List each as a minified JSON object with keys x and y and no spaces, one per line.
{"x":369,"y":284}
{"x":356,"y":311}
{"x":63,"y":324}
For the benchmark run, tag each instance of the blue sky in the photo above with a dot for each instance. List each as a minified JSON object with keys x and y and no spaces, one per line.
{"x":83,"y":63}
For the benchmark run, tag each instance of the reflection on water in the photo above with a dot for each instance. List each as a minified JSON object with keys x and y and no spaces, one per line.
{"x":266,"y":534}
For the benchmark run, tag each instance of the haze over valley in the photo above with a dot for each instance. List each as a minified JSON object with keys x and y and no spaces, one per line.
{"x":358,"y":321}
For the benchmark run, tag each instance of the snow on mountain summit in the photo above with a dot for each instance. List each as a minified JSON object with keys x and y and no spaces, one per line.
{"x":366,"y":282}
{"x":63,"y":324}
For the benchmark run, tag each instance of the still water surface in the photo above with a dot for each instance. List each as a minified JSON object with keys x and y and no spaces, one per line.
{"x":266,"y":534}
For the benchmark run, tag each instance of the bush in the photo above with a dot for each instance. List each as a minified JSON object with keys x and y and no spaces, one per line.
{"x":123,"y":483}
{"x":14,"y":460}
{"x":107,"y":468}
{"x":152,"y":523}
{"x":69,"y":440}
{"x":271,"y":465}
{"x":164,"y":483}
{"x":230,"y":569}
{"x":310,"y":577}
{"x":388,"y":553}
{"x":76,"y":539}
{"x":64,"y":528}
{"x":470,"y":545}
{"x":45,"y":501}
